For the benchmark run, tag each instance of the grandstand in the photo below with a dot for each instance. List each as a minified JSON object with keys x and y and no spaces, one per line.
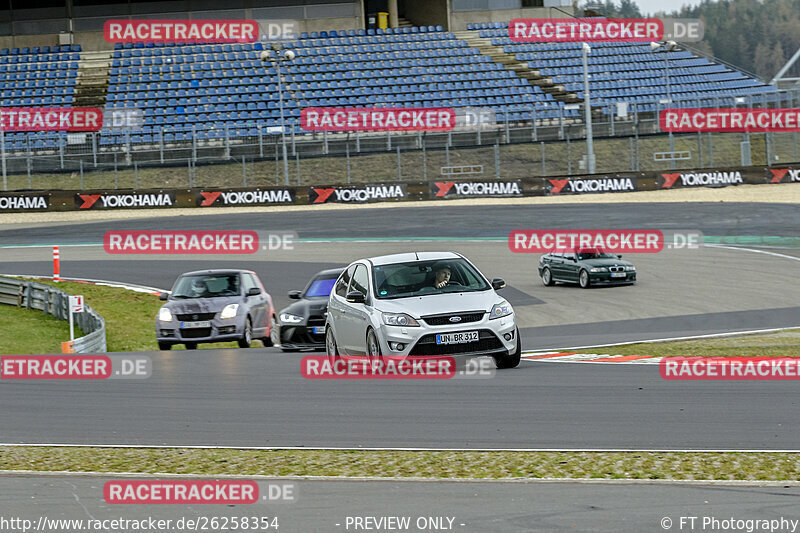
{"x":201,"y":93}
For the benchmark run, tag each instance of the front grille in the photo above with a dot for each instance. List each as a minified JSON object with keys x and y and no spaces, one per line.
{"x":316,"y":320}
{"x":487,"y":342}
{"x":444,"y":320}
{"x":195,"y":333}
{"x":616,"y":269}
{"x":195,"y":317}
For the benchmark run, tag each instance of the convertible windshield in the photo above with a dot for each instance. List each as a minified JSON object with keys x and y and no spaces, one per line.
{"x":596,"y":255}
{"x":321,"y":286}
{"x":206,"y":286}
{"x":421,"y":278}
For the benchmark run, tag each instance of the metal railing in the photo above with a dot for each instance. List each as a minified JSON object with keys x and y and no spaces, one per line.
{"x":52,"y":301}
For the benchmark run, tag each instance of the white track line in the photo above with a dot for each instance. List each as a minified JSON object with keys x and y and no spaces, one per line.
{"x":753,"y":251}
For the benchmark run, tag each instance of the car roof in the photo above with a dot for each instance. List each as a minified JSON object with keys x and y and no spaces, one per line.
{"x":410,"y":257}
{"x":217,"y":271}
{"x":330,"y":272}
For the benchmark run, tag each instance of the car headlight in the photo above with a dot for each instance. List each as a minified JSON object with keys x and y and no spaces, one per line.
{"x":229,"y":311}
{"x":399,"y":319}
{"x":500,"y":310}
{"x":288,"y":318}
{"x":599,"y":269}
{"x":165,"y":315}
{"x":630,"y":268}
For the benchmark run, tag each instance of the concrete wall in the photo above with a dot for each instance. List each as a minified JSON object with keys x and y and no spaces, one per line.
{"x":427,"y":12}
{"x":460,"y":19}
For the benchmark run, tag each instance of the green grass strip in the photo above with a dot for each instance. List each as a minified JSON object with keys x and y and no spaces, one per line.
{"x":747,"y":466}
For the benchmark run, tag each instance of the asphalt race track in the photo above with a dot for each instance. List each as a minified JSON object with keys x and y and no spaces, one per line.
{"x":474,"y":507}
{"x":256,"y":397}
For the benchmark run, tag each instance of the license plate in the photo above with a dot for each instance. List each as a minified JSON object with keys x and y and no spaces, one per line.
{"x":193,"y":325}
{"x":318,"y":330}
{"x":457,"y":338}
{"x":618,"y":274}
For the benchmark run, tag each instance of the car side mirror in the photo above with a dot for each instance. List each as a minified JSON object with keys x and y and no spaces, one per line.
{"x":573,"y":259}
{"x":294,"y":295}
{"x":163,"y":296}
{"x":498,"y":283}
{"x":356,"y":297}
{"x":619,"y":256}
{"x":253,"y":291}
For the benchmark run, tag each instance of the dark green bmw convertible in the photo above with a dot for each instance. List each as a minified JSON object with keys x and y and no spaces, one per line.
{"x":586,"y":268}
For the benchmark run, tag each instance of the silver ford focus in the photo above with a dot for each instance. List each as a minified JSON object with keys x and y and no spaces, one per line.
{"x":421,"y":303}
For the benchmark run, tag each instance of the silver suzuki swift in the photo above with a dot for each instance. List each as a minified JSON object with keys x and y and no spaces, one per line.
{"x":420,"y":303}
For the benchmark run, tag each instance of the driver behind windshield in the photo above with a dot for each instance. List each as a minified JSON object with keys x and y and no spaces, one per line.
{"x":442,"y":276}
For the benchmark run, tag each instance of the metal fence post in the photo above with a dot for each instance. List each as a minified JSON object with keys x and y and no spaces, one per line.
{"x":81,"y":166}
{"x":116,"y":177}
{"x":194,"y":144}
{"x":399,"y":166}
{"x":479,"y":134}
{"x":569,"y":155}
{"x":28,"y":139}
{"x":447,"y":154}
{"x":700,"y":148}
{"x":534,"y":135}
{"x":227,"y":142}
{"x":358,"y":142}
{"x":508,"y":131}
{"x":189,"y":170}
{"x":161,"y":143}
{"x":560,"y":122}
{"x":94,"y":148}
{"x":260,"y":142}
{"x":611,"y":114}
{"x":60,"y":154}
{"x":135,"y":175}
{"x":347,"y":158}
{"x":297,"y":160}
{"x":630,"y":154}
{"x":497,"y":159}
{"x":294,"y":150}
{"x":544,"y":164}
{"x":244,"y":171}
{"x":424,"y":161}
{"x":277,"y":171}
{"x":388,"y":141}
{"x":325,"y":142}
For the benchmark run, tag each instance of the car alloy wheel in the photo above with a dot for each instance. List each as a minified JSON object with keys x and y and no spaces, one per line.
{"x":247,"y":338}
{"x":330,"y":345}
{"x":584,"y":279}
{"x":547,"y":277}
{"x":274,"y":338}
{"x":373,"y":347}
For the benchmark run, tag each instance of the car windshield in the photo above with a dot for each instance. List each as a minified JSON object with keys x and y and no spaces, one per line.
{"x":321,"y":286}
{"x":596,"y":255}
{"x":420,"y":278}
{"x":206,"y":286}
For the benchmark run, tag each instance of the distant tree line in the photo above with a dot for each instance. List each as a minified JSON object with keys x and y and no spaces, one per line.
{"x":757,"y":36}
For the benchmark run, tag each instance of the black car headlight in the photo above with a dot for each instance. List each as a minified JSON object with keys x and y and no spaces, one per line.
{"x":288,"y":318}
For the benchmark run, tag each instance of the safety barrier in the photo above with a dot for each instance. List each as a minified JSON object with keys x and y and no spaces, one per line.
{"x":52,"y":301}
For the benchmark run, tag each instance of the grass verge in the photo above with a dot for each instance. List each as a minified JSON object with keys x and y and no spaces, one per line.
{"x":746,"y":466}
{"x":17,"y":325}
{"x":784,"y":343}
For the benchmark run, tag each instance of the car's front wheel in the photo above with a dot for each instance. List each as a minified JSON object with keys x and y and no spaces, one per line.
{"x":330,"y":346}
{"x":547,"y":277}
{"x":191,"y":345}
{"x":247,"y":336}
{"x":274,"y":334}
{"x":510,"y":360}
{"x":164,"y":346}
{"x":583,"y":279}
{"x":373,"y":346}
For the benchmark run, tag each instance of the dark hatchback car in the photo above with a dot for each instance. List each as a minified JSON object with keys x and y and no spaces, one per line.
{"x":302,"y":324}
{"x":586,"y":268}
{"x":216,"y":306}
